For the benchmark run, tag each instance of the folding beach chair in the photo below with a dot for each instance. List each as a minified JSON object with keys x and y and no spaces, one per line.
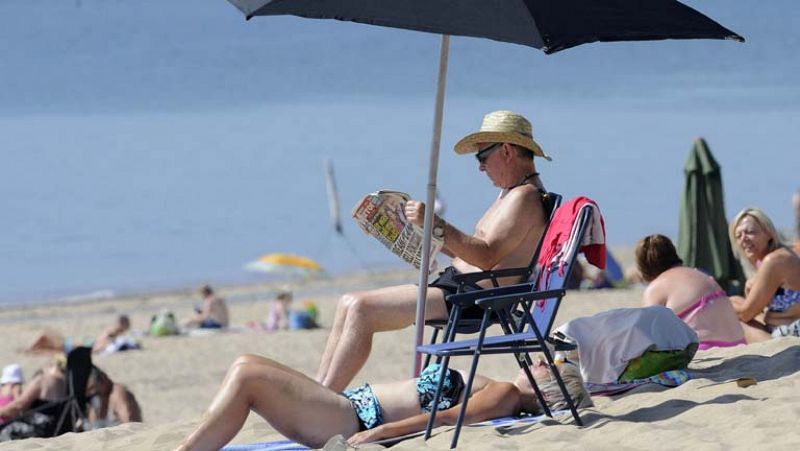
{"x":73,"y":415}
{"x":541,"y":300}
{"x":550,"y":202}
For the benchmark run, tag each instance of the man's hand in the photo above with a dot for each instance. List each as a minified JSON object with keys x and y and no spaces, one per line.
{"x":415,"y":212}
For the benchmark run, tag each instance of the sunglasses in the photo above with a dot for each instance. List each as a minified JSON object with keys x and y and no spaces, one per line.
{"x":484,"y":153}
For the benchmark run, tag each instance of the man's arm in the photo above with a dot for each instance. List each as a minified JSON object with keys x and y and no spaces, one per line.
{"x":498,"y":399}
{"x":519,"y":212}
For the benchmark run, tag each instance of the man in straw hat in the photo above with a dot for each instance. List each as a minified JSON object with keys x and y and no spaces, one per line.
{"x":505,"y":237}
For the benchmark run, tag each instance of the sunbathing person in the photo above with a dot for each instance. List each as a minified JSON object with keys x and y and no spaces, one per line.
{"x":505,"y":237}
{"x":212,"y":315}
{"x":49,"y":385}
{"x":693,"y":295}
{"x":51,"y":341}
{"x":772,"y":294}
{"x":114,"y":404}
{"x":309,"y":413}
{"x":10,"y":386}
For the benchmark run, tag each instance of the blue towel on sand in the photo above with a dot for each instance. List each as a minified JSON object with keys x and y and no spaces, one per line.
{"x":287,"y":445}
{"x":278,"y":445}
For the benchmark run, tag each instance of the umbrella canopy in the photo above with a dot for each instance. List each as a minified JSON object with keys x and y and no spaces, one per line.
{"x":703,"y":234}
{"x":286,"y":264}
{"x":550,"y":25}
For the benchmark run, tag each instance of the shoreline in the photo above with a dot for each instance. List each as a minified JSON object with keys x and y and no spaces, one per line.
{"x":623,"y":254}
{"x":233,"y":292}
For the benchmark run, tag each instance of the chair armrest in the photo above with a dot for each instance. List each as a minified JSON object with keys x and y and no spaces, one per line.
{"x":475,"y":277}
{"x":503,"y":301}
{"x":469,"y":298}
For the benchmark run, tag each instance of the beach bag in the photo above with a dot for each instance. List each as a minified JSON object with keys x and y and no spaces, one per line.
{"x":301,"y":320}
{"x":163,"y":324}
{"x":630,"y":343}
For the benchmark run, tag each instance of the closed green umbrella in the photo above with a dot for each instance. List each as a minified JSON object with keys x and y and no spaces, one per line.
{"x":703,"y":235}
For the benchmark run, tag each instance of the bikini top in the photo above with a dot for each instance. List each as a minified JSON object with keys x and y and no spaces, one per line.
{"x":428,"y":381}
{"x":783,"y":299}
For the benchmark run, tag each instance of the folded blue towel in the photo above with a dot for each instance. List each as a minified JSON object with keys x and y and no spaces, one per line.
{"x":288,"y":445}
{"x":278,"y":445}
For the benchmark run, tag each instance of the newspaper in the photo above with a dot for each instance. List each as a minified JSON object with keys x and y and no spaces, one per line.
{"x":381,"y":215}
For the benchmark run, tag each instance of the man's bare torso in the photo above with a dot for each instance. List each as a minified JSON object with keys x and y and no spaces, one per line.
{"x":521,"y":254}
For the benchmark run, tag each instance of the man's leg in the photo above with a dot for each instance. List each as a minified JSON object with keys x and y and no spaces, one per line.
{"x":359,"y":316}
{"x":334,"y":336}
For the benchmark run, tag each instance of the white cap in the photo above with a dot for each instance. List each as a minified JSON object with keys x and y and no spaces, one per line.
{"x":12,"y":374}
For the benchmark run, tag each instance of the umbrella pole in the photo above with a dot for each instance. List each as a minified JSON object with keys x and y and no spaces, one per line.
{"x":433,"y":168}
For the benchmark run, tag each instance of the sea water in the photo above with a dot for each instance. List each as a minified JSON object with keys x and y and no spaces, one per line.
{"x":159,"y":145}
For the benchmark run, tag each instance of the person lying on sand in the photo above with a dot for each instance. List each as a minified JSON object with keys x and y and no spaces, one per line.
{"x":694,"y":296}
{"x":505,"y":237}
{"x":212,"y":315}
{"x":51,"y":341}
{"x":109,"y":402}
{"x":310,"y":413}
{"x":10,"y":386}
{"x":773,"y":282}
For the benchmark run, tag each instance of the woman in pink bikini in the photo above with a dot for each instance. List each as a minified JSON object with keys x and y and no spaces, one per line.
{"x":694,"y":296}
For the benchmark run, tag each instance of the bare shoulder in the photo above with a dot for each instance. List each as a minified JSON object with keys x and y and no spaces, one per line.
{"x":495,"y":390}
{"x":504,"y":387}
{"x":525,"y":198}
{"x":780,"y":259}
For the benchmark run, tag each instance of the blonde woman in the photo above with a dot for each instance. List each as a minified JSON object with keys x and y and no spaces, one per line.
{"x":771,"y":305}
{"x":304,"y":410}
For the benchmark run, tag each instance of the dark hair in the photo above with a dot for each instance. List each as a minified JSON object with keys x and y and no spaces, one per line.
{"x":654,"y":255}
{"x":206,"y":290}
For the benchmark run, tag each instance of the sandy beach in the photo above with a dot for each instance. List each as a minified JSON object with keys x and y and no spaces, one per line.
{"x":174,"y":378}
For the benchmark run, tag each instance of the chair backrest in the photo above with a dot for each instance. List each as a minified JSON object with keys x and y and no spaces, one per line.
{"x":550,"y":203}
{"x":74,"y":404}
{"x":555,"y":276}
{"x":79,"y":367}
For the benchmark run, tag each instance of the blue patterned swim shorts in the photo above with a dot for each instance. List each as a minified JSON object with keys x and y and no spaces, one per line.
{"x":366,"y":405}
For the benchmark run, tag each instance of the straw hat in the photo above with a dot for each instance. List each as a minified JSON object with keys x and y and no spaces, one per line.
{"x":12,"y":374}
{"x":502,"y":127}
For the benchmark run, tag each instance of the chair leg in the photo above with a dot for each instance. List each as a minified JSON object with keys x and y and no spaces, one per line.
{"x":433,"y":341}
{"x":539,"y":396}
{"x":523,"y":359}
{"x":450,"y":330}
{"x":437,"y":397}
{"x":468,"y":388}
{"x":554,"y":371}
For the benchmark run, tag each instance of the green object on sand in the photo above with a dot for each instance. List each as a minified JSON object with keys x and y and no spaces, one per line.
{"x":703,"y":233}
{"x":654,"y":362}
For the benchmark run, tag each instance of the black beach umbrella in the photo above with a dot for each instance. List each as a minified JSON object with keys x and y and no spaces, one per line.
{"x":549,"y":25}
{"x":703,"y":234}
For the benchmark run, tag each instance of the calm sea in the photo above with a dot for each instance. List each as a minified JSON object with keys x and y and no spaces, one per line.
{"x":153,"y":145}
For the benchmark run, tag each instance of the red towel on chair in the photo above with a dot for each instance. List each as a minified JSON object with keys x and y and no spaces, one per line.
{"x":557,"y":239}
